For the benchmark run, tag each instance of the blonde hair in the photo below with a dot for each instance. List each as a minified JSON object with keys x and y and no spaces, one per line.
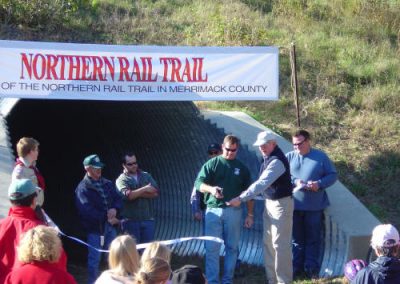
{"x":39,"y":244}
{"x":153,"y":270}
{"x":156,"y":249}
{"x":123,"y":258}
{"x":25,"y":145}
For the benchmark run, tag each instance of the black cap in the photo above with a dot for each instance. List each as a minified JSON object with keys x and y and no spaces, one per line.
{"x":188,"y":274}
{"x":214,"y":147}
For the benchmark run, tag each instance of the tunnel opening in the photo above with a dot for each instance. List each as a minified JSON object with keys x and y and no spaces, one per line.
{"x":169,"y":138}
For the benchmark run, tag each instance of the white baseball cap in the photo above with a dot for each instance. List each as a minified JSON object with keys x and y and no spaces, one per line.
{"x":264,"y":137}
{"x":385,"y":236}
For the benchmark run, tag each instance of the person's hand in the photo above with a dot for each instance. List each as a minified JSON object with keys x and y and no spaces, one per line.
{"x":113,"y":221}
{"x":313,"y":185}
{"x":299,"y":182}
{"x":198,"y":216}
{"x":111,"y":213}
{"x":217,"y":192}
{"x":249,"y":221}
{"x":151,"y":190}
{"x":235,"y":202}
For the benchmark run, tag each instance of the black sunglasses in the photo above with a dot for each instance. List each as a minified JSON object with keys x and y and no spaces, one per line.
{"x":300,"y":143}
{"x":230,"y":150}
{"x":213,"y":153}
{"x":131,"y":164}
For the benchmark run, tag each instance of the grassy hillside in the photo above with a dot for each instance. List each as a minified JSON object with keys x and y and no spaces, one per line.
{"x":348,"y":66}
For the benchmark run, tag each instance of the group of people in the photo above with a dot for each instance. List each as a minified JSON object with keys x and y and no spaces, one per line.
{"x":152,"y":267}
{"x":292,"y":187}
{"x":31,"y":250}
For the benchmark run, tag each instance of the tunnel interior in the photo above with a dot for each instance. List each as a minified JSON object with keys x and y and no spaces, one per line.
{"x":169,"y":138}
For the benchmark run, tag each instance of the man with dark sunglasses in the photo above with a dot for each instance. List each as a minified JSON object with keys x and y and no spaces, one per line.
{"x":138,"y":189}
{"x":220,"y":179}
{"x":312,"y":172}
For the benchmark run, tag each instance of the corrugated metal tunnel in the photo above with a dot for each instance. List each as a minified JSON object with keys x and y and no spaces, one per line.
{"x":169,"y":138}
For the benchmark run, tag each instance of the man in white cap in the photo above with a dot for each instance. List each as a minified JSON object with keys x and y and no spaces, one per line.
{"x":386,"y":268}
{"x":273,"y":185}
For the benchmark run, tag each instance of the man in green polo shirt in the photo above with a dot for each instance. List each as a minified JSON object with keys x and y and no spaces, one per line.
{"x":220,"y":179}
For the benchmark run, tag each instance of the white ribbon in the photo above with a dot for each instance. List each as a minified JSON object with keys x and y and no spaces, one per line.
{"x":139,"y":246}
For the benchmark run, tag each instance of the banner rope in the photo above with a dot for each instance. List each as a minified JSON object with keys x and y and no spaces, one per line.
{"x":51,"y":223}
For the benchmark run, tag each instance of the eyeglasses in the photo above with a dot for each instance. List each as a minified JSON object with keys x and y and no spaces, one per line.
{"x":299,"y":144}
{"x":231,"y":150}
{"x":131,"y":164}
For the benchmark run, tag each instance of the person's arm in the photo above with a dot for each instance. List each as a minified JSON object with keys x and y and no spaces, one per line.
{"x":216,"y":191}
{"x":86,"y":206}
{"x":116,"y":200}
{"x":195,"y":199}
{"x":274,"y":170}
{"x":115,"y":204}
{"x":330,"y":176}
{"x":292,"y":161}
{"x":150,"y":190}
{"x":17,"y":172}
{"x":155,"y":191}
{"x":203,"y":181}
{"x":147,"y":191}
{"x":248,"y":222}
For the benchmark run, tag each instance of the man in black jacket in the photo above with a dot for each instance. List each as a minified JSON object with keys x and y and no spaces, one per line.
{"x":386,"y":268}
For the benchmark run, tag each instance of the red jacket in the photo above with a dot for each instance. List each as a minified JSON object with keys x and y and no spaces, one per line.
{"x":19,"y":220}
{"x":39,"y":273}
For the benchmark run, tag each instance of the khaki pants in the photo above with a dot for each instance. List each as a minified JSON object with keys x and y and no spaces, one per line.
{"x":278,"y":221}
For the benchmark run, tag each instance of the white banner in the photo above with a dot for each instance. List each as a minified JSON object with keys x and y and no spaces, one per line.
{"x":113,"y":72}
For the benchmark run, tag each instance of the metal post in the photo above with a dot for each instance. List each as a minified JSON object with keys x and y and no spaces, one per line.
{"x":294,"y":81}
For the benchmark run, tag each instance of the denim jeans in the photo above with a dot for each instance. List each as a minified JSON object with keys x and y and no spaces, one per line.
{"x":142,"y":231}
{"x":225,"y":223}
{"x":94,"y":256}
{"x":307,"y":226}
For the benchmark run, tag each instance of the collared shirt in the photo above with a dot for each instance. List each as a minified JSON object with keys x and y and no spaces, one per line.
{"x":231,"y":175}
{"x":139,"y":209}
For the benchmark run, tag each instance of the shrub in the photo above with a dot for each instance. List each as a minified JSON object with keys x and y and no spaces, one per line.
{"x":38,"y":13}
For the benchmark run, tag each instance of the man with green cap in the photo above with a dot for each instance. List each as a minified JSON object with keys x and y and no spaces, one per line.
{"x":98,"y":202}
{"x":22,"y":194}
